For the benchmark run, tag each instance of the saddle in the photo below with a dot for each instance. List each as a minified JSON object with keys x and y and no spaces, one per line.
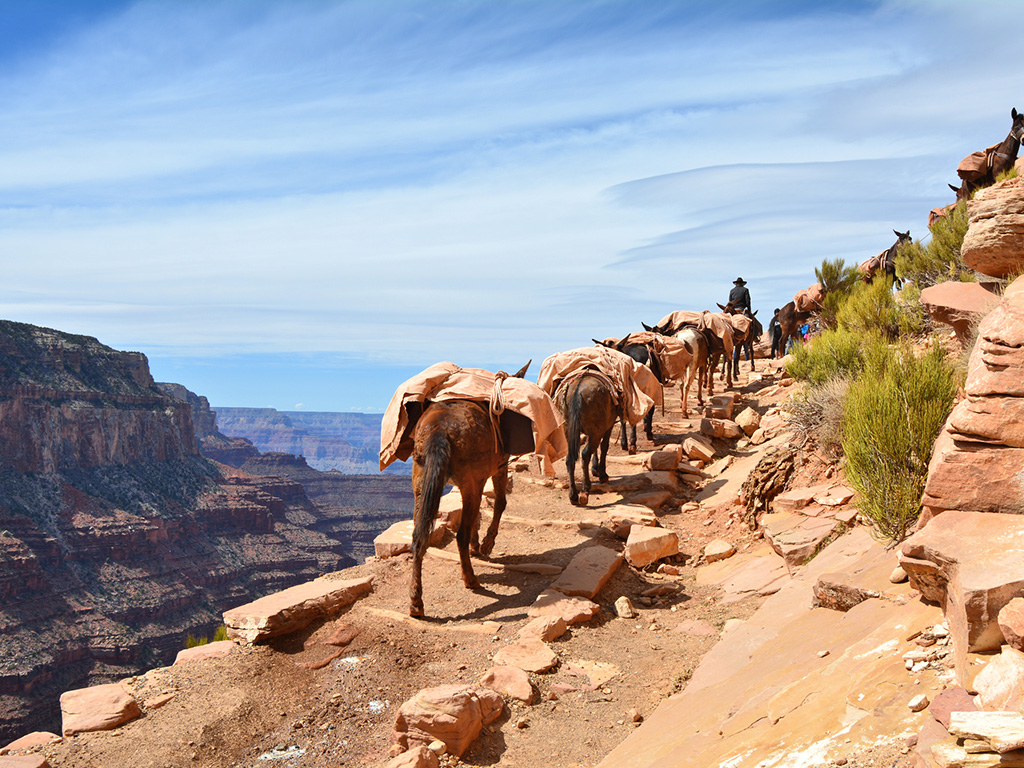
{"x":977,"y":164}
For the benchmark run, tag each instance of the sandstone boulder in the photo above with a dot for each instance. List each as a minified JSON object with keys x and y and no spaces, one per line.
{"x":398,"y":538}
{"x":454,"y":714}
{"x":749,"y":421}
{"x":719,"y":549}
{"x":1000,"y":685}
{"x":698,"y":449}
{"x":646,"y":545}
{"x":1011,"y":623}
{"x":214,"y":650}
{"x":24,"y":761}
{"x":957,"y":304}
{"x":509,"y":681}
{"x":665,"y":458}
{"x":417,"y":757}
{"x":546,"y":628}
{"x":294,"y":608}
{"x":572,"y":610}
{"x":100,"y":708}
{"x":588,"y":572}
{"x":972,"y":564}
{"x":34,"y":739}
{"x":995,"y":231}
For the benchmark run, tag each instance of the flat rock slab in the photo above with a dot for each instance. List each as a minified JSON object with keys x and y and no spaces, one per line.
{"x":797,"y":538}
{"x":509,"y":681}
{"x":292,"y":609}
{"x":215,"y":650}
{"x":697,"y":628}
{"x":398,"y":539}
{"x":34,"y":739}
{"x":973,"y":564}
{"x":1003,"y":731}
{"x":530,"y":653}
{"x":698,"y":449}
{"x":588,"y":572}
{"x":572,"y":610}
{"x":617,"y":514}
{"x":100,"y":708}
{"x":1000,"y":685}
{"x":646,"y":545}
{"x":24,"y":761}
{"x":958,"y":304}
{"x":547,"y":628}
{"x":863,"y":579}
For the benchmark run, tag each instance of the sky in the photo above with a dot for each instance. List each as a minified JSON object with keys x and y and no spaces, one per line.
{"x":299,"y":205}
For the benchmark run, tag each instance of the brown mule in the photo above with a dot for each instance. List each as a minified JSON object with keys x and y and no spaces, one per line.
{"x":588,"y":404}
{"x":456,"y":440}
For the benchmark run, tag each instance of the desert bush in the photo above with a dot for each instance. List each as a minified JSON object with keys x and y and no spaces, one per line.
{"x":837,"y":280}
{"x":192,"y":641}
{"x":911,"y":317}
{"x":939,"y":260}
{"x":832,"y":354}
{"x":870,"y":309}
{"x":817,"y":413}
{"x":892,"y":415}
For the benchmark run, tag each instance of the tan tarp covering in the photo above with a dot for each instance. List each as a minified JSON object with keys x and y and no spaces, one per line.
{"x":976,"y":164}
{"x":637,"y":388}
{"x":809,"y":299}
{"x":739,"y":323}
{"x":446,"y":381}
{"x":673,"y":356}
{"x":869,"y":267}
{"x":715,"y":322}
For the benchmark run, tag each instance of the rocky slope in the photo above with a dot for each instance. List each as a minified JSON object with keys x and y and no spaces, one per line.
{"x":117,"y":538}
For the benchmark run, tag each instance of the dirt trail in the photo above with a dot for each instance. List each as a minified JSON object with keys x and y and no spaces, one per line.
{"x":265,"y":706}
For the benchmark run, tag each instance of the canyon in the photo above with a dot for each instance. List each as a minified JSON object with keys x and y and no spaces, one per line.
{"x":125,"y":524}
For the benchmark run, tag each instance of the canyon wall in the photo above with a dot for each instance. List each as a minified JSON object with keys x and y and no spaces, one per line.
{"x":117,"y":538}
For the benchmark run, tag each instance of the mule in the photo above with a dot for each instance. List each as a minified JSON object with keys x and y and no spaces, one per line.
{"x":790,"y":321}
{"x":641,"y":353}
{"x":588,"y":403}
{"x":886,"y":261}
{"x":743,"y":341}
{"x":716,"y":346}
{"x":1000,"y":159}
{"x":457,"y":440}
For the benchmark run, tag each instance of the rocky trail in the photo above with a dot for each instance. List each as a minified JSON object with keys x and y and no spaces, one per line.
{"x":722,"y":662}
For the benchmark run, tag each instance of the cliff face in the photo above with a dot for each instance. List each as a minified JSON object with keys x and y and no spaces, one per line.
{"x":347,"y":442}
{"x":117,"y":539}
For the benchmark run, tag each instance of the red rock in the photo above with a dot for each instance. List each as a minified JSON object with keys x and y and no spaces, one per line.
{"x":23,"y":761}
{"x":950,"y":700}
{"x":100,"y":708}
{"x":34,"y":739}
{"x":398,"y":538}
{"x":509,"y":681}
{"x":957,"y":304}
{"x":572,"y":610}
{"x":530,"y":654}
{"x":714,"y":428}
{"x":454,"y":714}
{"x":343,"y":634}
{"x":990,"y":419}
{"x":665,"y":458}
{"x":696,"y":627}
{"x":646,"y":545}
{"x":796,"y":499}
{"x":1011,"y":623}
{"x":797,"y":538}
{"x":215,"y":650}
{"x":995,"y":236}
{"x":1000,"y":685}
{"x":719,"y":549}
{"x":546,"y":628}
{"x":973,"y":564}
{"x":417,"y":757}
{"x":698,"y":449}
{"x":749,"y":421}
{"x":294,"y":608}
{"x":588,"y":572}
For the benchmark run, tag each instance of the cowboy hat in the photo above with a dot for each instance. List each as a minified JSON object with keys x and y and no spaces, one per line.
{"x":739,"y":281}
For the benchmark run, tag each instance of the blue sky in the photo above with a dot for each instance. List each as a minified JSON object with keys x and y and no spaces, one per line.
{"x":301,"y":204}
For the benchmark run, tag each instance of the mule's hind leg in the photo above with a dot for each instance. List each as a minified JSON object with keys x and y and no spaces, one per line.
{"x":471,"y":496}
{"x":602,"y":466}
{"x":649,"y":424}
{"x":419,"y":548}
{"x":500,"y":481}
{"x":585,"y":456}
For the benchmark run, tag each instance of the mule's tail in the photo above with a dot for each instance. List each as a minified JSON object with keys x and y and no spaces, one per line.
{"x":436,"y":470}
{"x":573,"y":421}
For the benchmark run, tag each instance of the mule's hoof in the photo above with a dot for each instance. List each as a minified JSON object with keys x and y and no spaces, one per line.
{"x":632,"y":450}
{"x":416,"y":611}
{"x":584,"y":499}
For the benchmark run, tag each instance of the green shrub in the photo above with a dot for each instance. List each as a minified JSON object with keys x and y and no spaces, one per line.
{"x":911,"y":317}
{"x":893,"y":414}
{"x":832,"y":354}
{"x":939,"y":260}
{"x":837,"y":280}
{"x":220,"y":634}
{"x":870,"y":309}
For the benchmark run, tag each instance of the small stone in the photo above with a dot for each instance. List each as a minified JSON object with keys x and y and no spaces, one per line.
{"x":438,"y":747}
{"x":918,"y":703}
{"x":822,"y":654}
{"x":634,"y":716}
{"x":898,"y":576}
{"x":624,"y":608}
{"x":522,"y":723}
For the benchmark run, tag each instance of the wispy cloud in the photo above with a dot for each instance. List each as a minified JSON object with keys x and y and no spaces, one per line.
{"x":411,"y":181}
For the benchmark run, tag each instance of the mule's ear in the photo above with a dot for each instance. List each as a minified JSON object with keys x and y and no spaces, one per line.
{"x":755,"y":312}
{"x":1013,"y":113}
{"x":955,"y":189}
{"x":600,"y":343}
{"x":648,"y":328}
{"x":522,"y":371}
